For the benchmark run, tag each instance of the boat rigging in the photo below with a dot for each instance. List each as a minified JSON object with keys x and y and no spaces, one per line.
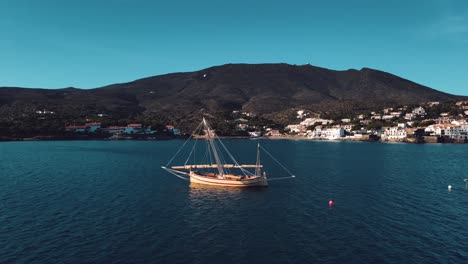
{"x":214,"y":168}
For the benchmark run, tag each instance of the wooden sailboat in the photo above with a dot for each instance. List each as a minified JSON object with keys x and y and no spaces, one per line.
{"x":217,"y":171}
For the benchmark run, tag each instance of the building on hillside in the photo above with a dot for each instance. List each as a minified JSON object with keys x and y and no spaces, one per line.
{"x":242,"y":127}
{"x":76,"y":129}
{"x":460,"y":122}
{"x":387,"y":110}
{"x":347,"y":127}
{"x":134,"y":129}
{"x":93,"y":127}
{"x":175,"y":131}
{"x":241,"y":120}
{"x":446,"y":130}
{"x":274,"y":133}
{"x":311,"y":121}
{"x":365,"y":121}
{"x":387,"y":117}
{"x":169,"y":128}
{"x":296,"y":128}
{"x":394,"y":133}
{"x":328,"y":133}
{"x":410,"y":116}
{"x":45,"y":112}
{"x":430,"y":104}
{"x":301,"y":114}
{"x":376,"y":117}
{"x":255,"y":134}
{"x":333,"y":133}
{"x":114,"y":129}
{"x":346,"y":120}
{"x":419,"y":111}
{"x":379,"y":132}
{"x":88,"y":127}
{"x":248,"y":114}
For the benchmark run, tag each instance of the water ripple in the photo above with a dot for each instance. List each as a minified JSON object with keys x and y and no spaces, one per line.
{"x":109,"y":202}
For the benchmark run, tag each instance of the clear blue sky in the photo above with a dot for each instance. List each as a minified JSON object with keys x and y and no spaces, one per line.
{"x":91,"y":43}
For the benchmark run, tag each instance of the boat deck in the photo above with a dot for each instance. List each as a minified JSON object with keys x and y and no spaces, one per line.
{"x":226,"y":176}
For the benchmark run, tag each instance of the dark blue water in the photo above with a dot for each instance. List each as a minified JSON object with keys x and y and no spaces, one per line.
{"x":109,"y":202}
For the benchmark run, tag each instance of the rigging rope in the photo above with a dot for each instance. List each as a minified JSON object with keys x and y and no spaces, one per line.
{"x":181,"y":147}
{"x":244,"y":171}
{"x":271,"y":156}
{"x":209,"y":155}
{"x":281,"y":178}
{"x":193,"y":148}
{"x":171,"y":171}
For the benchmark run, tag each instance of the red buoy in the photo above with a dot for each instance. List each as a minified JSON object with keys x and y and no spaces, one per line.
{"x":331,"y":203}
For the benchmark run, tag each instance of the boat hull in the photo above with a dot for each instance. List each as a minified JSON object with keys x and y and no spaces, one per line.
{"x":250,"y":182}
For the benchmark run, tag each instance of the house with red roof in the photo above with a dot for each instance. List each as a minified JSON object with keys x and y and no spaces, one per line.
{"x":93,"y":127}
{"x":134,"y":129}
{"x":81,"y":129}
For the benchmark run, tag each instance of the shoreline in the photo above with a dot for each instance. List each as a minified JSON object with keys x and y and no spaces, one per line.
{"x":295,"y":138}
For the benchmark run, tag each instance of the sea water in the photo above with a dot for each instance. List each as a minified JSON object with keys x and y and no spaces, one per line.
{"x":110,"y":202}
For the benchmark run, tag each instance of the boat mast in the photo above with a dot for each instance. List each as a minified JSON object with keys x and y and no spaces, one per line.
{"x":213,"y":148}
{"x":258,"y":170}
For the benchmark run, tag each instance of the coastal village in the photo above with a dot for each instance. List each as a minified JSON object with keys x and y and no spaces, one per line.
{"x":402,"y":124}
{"x":422,"y":123}
{"x":120,"y":132}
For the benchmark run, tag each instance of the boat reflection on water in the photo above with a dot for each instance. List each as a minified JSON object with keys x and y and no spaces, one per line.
{"x":219,"y":190}
{"x":201,"y":193}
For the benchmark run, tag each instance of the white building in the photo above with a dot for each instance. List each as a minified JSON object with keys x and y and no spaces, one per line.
{"x":448,"y":130}
{"x":329,"y":133}
{"x":311,"y":121}
{"x":346,"y":120}
{"x":419,"y":111}
{"x":274,"y":133}
{"x":410,"y":116}
{"x":347,"y":127}
{"x":255,"y":134}
{"x":300,"y":114}
{"x":334,"y":133}
{"x":242,"y":126}
{"x":394,"y":133}
{"x":296,"y":128}
{"x":45,"y":112}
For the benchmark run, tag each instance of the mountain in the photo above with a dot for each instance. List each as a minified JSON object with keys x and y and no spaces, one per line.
{"x":259,"y":88}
